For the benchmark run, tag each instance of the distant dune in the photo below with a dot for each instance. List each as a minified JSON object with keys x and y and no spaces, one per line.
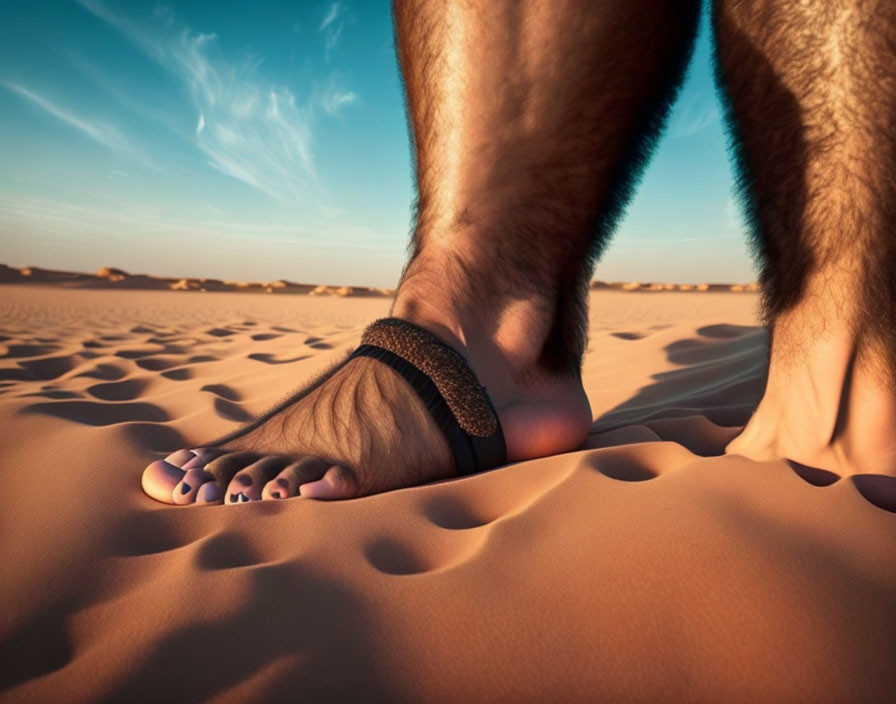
{"x":113,"y":277}
{"x":656,"y":287}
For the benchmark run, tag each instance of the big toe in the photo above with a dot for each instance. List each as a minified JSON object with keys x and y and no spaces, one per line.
{"x":160,"y":478}
{"x":188,"y":488}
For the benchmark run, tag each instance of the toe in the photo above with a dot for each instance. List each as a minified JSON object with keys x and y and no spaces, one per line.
{"x":248,"y":483}
{"x":286,"y":484}
{"x":208,"y":493}
{"x":338,"y":483}
{"x":186,"y":490}
{"x":159,"y":480}
{"x":279,"y":488}
{"x":224,"y":468}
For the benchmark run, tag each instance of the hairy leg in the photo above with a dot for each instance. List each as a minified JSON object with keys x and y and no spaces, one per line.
{"x":811,"y":89}
{"x":530,"y":121}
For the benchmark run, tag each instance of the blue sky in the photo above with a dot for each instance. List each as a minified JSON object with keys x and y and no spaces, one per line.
{"x":201,"y":138}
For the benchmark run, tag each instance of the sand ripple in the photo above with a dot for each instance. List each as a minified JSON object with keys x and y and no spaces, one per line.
{"x":647,"y":566}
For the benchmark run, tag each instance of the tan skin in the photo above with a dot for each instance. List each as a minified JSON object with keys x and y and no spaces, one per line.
{"x":824,"y":74}
{"x":531,"y":121}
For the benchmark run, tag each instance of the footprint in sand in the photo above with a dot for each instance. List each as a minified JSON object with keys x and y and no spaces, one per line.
{"x":163,"y":364}
{"x":876,"y":489}
{"x":225,"y":402}
{"x":149,"y":438}
{"x":200,"y":358}
{"x":105,"y":371}
{"x":138,"y":353}
{"x":181,"y":374}
{"x":150,"y":533}
{"x":13,"y":375}
{"x":652,"y":460}
{"x":392,"y":557}
{"x":702,"y":350}
{"x":224,"y":391}
{"x":271,"y":359}
{"x":318,"y":344}
{"x":53,"y":394}
{"x":47,"y":633}
{"x":118,"y":390}
{"x":467,"y":514}
{"x":226,"y":551}
{"x":624,"y":468}
{"x":453,"y":513}
{"x":231,"y":411}
{"x":629,"y":335}
{"x":158,"y":364}
{"x":28,"y":350}
{"x":50,"y":367}
{"x":94,"y":413}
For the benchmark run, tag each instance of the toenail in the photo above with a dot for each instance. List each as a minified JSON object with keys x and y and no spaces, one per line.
{"x":244,"y":479}
{"x":235,"y":498}
{"x":208,"y":492}
{"x":185,"y":488}
{"x":276,"y":494}
{"x":282,"y":483}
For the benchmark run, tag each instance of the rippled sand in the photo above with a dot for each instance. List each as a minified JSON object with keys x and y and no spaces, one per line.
{"x":644,"y":567}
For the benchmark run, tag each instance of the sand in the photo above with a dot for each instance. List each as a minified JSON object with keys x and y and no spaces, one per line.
{"x":645,"y":567}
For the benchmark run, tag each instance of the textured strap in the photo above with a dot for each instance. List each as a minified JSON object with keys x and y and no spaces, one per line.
{"x":446,"y":385}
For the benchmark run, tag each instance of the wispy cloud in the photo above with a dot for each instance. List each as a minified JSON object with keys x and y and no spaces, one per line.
{"x":163,"y":14}
{"x":118,"y":87}
{"x":99,"y":131}
{"x":332,"y":26}
{"x":331,"y":15}
{"x":248,"y":128}
{"x":333,"y":98}
{"x":74,"y":220}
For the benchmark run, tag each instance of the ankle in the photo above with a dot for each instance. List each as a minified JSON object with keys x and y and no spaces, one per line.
{"x":505,"y":332}
{"x":830,"y":400}
{"x":503,"y":335}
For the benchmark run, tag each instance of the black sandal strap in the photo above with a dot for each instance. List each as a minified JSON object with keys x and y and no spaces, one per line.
{"x":447,"y":386}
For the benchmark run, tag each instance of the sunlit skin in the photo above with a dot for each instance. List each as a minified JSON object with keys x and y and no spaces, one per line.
{"x":821,"y":152}
{"x":531,"y":122}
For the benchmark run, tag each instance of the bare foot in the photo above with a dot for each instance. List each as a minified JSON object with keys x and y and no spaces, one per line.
{"x":363,"y":429}
{"x":830,"y":401}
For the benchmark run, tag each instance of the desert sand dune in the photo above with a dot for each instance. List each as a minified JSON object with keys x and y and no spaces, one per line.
{"x":646,"y":567}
